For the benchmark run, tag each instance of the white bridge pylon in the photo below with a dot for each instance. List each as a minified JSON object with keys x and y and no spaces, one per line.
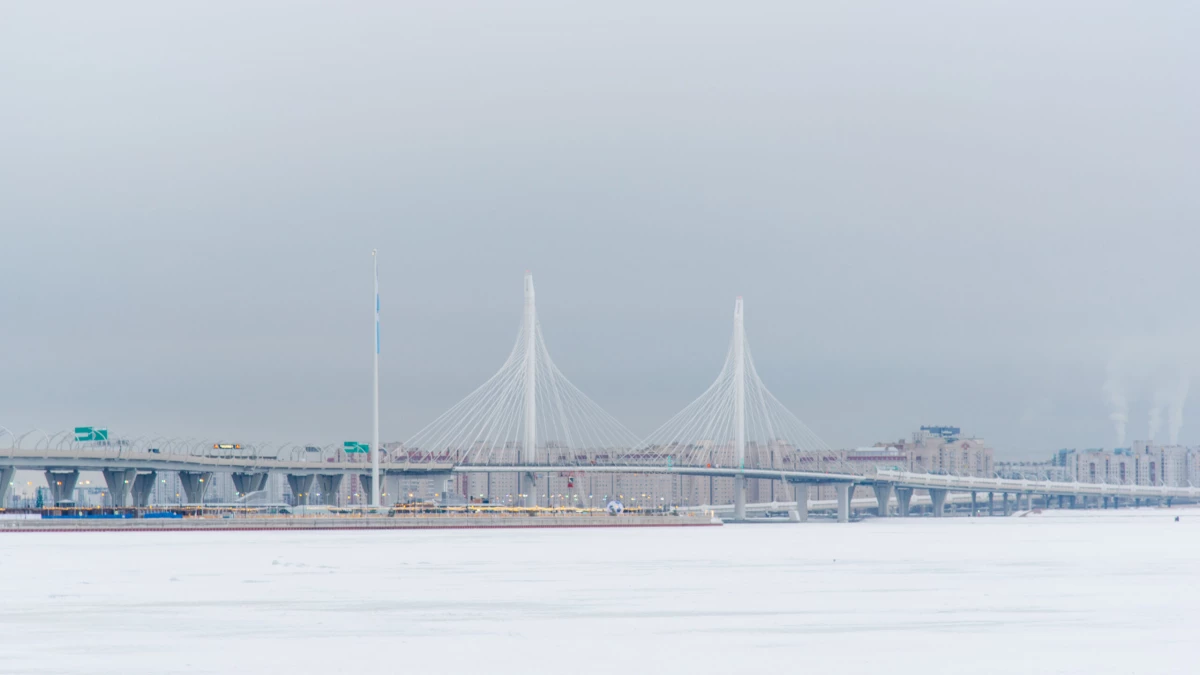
{"x":738,"y":423}
{"x":527,"y":414}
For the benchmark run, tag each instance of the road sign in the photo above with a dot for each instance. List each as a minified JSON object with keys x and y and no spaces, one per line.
{"x":353,"y":446}
{"x":90,"y":434}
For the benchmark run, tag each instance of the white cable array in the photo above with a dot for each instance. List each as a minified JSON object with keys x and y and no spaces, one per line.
{"x":705,"y":433}
{"x":489,"y":425}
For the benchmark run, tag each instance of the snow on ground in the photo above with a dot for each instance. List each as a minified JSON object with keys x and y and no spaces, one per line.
{"x":1057,"y":592}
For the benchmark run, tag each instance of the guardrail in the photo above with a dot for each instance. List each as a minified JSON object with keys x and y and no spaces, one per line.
{"x":977,"y":484}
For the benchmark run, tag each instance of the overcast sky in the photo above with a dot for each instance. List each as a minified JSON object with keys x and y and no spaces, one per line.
{"x":938,"y":212}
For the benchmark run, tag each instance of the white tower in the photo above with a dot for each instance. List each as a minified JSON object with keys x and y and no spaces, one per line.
{"x":739,"y":409}
{"x":739,"y":382}
{"x":529,"y":446}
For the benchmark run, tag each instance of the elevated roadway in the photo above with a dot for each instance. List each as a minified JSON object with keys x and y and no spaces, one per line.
{"x":122,"y":468}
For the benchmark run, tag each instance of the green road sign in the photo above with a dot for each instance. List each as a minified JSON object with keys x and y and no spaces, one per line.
{"x":90,"y":434}
{"x":352,"y":446}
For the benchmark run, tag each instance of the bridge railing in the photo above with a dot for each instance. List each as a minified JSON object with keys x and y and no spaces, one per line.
{"x":1036,"y":486}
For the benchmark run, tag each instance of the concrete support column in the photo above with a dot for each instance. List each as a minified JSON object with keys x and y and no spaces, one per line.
{"x":6,"y":481}
{"x":528,"y":487}
{"x":1071,"y":501}
{"x":903,"y":501}
{"x":938,"y":497}
{"x":991,"y":503}
{"x":802,"y":502}
{"x":195,"y":484}
{"x":844,"y":492}
{"x":62,"y":485}
{"x":973,"y":503}
{"x":246,"y":483}
{"x":1007,"y":507}
{"x":328,"y":486}
{"x":143,"y":487}
{"x":739,"y":497}
{"x":883,"y":497}
{"x":120,"y":484}
{"x":301,"y":485}
{"x":1137,"y":502}
{"x":364,"y":486}
{"x":1116,"y":502}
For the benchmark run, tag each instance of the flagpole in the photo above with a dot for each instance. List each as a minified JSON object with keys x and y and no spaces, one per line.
{"x":375,"y":501}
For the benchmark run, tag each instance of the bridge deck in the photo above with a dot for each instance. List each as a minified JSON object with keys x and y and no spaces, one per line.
{"x":95,"y":460}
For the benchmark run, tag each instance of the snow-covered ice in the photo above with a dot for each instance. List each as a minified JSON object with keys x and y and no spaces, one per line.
{"x":1060,"y":592}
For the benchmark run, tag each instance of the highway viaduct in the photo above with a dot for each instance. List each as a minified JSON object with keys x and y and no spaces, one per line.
{"x":130,"y":474}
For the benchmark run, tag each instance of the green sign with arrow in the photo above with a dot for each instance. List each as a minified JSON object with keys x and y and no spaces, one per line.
{"x":90,"y":434}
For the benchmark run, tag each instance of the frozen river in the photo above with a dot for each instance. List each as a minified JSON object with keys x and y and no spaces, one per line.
{"x":1062,"y":592}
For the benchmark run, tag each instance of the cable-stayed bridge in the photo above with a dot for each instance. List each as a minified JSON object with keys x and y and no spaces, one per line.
{"x":528,"y":419}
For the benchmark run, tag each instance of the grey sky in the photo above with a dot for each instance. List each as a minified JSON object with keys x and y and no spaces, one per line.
{"x":938,"y":212}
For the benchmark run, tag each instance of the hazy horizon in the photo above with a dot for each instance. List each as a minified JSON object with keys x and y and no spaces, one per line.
{"x":979,"y":215}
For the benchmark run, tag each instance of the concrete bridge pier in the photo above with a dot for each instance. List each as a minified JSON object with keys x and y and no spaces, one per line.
{"x":120,"y":483}
{"x":143,"y":487}
{"x":1007,"y":507}
{"x":62,"y":485}
{"x":328,"y":485}
{"x":1116,"y":501}
{"x":739,"y":497}
{"x":903,"y":501}
{"x":301,"y":485}
{"x":883,"y":497}
{"x":991,"y":503}
{"x":1071,"y":501}
{"x":6,"y":481}
{"x":364,"y":488}
{"x":528,"y":487}
{"x":938,"y":497}
{"x":844,"y":492}
{"x":195,"y":484}
{"x":974,"y":502}
{"x":245,"y":483}
{"x":802,"y":502}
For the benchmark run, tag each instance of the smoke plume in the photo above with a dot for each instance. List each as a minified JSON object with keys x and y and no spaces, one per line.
{"x":1178,"y":396}
{"x":1155,"y":420}
{"x":1118,"y":402}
